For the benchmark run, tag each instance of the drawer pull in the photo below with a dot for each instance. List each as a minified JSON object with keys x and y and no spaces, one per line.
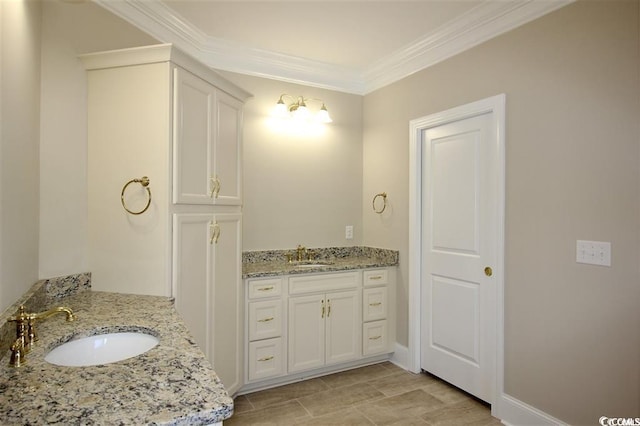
{"x":266,"y":288}
{"x":266,"y":358}
{"x":376,"y":277}
{"x":266,"y":319}
{"x":375,"y":304}
{"x":375,"y":338}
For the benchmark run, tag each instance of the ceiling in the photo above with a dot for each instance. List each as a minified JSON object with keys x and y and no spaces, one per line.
{"x":350,"y":46}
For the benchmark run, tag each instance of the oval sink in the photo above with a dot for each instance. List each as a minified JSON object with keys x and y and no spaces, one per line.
{"x":101,"y":349}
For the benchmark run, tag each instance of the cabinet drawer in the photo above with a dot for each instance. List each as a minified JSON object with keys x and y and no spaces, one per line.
{"x":265,"y":319}
{"x":323,"y":282}
{"x":266,"y":359}
{"x":263,"y":288}
{"x":375,"y":277}
{"x":375,"y":338}
{"x":374,"y":304}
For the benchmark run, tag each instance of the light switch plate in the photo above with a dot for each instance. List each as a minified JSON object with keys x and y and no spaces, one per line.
{"x":593,"y":252}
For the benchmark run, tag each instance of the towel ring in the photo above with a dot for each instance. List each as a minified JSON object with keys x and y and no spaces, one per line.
{"x":144,"y":181}
{"x":384,"y":205}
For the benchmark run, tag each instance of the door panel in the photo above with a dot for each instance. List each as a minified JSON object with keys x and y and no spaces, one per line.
{"x":228,"y":330}
{"x":192,"y":277}
{"x":306,"y":332}
{"x":228,"y":149}
{"x":455,"y":193}
{"x":343,"y":326}
{"x":194,"y":101}
{"x":454,"y":318}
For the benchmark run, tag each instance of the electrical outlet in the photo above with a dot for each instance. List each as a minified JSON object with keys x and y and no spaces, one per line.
{"x":348,"y":232}
{"x":593,"y":252}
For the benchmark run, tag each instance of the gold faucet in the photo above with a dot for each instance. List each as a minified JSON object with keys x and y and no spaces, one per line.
{"x":26,"y":334}
{"x":300,"y":253}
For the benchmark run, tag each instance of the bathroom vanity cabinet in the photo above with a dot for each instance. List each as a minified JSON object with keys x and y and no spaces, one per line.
{"x":155,"y":112}
{"x":310,"y":324}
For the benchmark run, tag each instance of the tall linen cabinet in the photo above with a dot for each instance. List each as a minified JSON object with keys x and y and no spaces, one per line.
{"x":155,"y":112}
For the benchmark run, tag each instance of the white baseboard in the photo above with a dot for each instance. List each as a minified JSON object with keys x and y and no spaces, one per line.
{"x":513,"y":412}
{"x":400,"y":356}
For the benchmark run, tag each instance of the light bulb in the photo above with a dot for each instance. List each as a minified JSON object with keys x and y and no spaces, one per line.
{"x":323,"y":115}
{"x":301,"y":113}
{"x":280,"y":110}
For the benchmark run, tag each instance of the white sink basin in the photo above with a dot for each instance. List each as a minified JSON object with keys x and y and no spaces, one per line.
{"x":101,"y":349}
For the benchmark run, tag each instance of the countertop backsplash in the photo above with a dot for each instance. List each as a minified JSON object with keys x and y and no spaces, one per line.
{"x":327,"y":253}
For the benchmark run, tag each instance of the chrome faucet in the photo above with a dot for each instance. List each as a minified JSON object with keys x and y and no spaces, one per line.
{"x":26,"y":334}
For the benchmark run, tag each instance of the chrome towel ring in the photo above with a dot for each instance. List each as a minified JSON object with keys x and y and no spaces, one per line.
{"x":384,"y":202}
{"x":144,"y":181}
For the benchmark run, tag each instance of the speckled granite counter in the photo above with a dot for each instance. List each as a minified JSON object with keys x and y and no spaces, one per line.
{"x":172,"y":384}
{"x":274,"y":262}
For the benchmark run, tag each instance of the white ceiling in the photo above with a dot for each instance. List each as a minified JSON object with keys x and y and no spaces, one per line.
{"x":350,"y":46}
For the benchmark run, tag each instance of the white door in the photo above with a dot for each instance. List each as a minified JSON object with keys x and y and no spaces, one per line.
{"x":459,"y":236}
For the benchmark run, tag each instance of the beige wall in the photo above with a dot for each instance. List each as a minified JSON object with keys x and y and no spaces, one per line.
{"x":573,"y":172}
{"x":69,"y":29}
{"x":19,"y":115}
{"x":301,"y":186}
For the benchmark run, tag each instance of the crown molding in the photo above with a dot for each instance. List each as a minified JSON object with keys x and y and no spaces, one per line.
{"x":489,"y":19}
{"x":484,"y":22}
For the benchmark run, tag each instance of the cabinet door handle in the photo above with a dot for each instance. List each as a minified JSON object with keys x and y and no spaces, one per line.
{"x":322,"y":315}
{"x":375,"y":304}
{"x":214,"y":229}
{"x":214,"y":183}
{"x":266,"y":358}
{"x":328,"y":308}
{"x":266,"y":319}
{"x":266,"y":288}
{"x":375,"y":338}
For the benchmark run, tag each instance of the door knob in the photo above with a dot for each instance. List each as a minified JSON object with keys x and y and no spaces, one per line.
{"x":488,"y":271}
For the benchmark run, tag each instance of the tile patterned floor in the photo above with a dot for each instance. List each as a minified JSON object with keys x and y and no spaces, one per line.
{"x":380,"y":394}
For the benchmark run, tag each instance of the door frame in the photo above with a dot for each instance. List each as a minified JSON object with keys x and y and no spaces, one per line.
{"x":496,"y":106}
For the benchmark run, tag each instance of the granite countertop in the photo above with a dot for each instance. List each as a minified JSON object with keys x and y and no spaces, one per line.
{"x":172,"y":384}
{"x":273,"y":263}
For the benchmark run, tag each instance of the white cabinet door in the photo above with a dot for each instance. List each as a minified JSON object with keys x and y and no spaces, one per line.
{"x":228,"y":150}
{"x":324,"y":329}
{"x":228,"y":299}
{"x":207,"y":288}
{"x":207,"y":143}
{"x":193,"y":115}
{"x":343,"y":327}
{"x":306,"y":332}
{"x":192,"y":276}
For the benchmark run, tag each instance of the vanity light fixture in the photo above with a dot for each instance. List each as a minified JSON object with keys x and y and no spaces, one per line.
{"x":299,"y":111}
